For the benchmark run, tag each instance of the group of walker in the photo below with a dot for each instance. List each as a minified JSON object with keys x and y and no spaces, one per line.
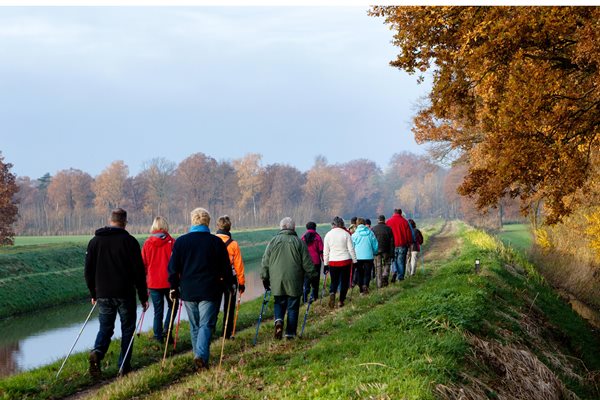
{"x":199,"y":270}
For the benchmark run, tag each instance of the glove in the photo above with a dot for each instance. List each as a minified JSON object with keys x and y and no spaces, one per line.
{"x":325,"y":269}
{"x":267,"y":284}
{"x":242,"y":288}
{"x":174,"y":294}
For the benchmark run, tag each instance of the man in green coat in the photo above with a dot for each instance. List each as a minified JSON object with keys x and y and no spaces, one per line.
{"x":284,"y":265}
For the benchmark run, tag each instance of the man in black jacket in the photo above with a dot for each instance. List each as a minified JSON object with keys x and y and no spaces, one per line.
{"x":385,"y":251}
{"x":200,"y":268}
{"x":113,"y":271}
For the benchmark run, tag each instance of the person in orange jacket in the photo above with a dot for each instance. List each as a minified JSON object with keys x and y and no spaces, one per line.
{"x":237,"y":264}
{"x":156,"y":254}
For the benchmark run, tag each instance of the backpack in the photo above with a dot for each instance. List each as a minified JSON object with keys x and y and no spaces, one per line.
{"x":227,"y":243}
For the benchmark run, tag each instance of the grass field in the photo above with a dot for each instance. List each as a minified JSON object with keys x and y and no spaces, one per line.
{"x":518,"y":236}
{"x":439,"y":335}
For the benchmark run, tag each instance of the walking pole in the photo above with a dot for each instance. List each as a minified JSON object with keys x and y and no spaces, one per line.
{"x":237,"y":312}
{"x":323,"y":288}
{"x":310,"y":300}
{"x":141,"y":324}
{"x":351,"y":282}
{"x":76,"y":339}
{"x":178,"y":322}
{"x":130,"y":343}
{"x":225,"y":329}
{"x":262,"y":309}
{"x":168,"y":335}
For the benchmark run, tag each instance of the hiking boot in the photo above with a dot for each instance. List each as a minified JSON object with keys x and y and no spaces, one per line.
{"x":332,"y":300}
{"x":394,"y":275}
{"x":341,"y":304}
{"x":289,"y":337}
{"x":95,"y":371}
{"x":365,"y":290}
{"x":278,"y":330}
{"x":200,"y":365}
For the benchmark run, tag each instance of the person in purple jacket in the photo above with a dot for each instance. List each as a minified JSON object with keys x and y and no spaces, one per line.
{"x":315,"y":249}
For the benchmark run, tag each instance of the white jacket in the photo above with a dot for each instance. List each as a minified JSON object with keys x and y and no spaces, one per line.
{"x":338,"y":246}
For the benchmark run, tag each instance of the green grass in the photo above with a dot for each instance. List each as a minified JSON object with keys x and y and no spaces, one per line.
{"x":518,"y":236}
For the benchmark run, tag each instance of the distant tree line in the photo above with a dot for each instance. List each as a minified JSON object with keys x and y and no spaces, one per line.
{"x":72,"y":201}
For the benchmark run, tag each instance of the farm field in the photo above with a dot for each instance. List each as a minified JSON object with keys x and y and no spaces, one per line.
{"x":518,"y":236}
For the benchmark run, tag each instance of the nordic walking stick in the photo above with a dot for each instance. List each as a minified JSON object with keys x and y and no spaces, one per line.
{"x":141,"y":324}
{"x":168,"y":335}
{"x":237,"y":312}
{"x":225,"y":329}
{"x":262,"y":309}
{"x":351,"y":282}
{"x":76,"y":339}
{"x":310,"y":300}
{"x":130,"y":344}
{"x":178,"y":322}
{"x":323,"y":288}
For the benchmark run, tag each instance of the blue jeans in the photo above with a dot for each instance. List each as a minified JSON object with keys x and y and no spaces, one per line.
{"x":203,"y":318}
{"x":158,"y":303}
{"x":292,"y":306}
{"x":399,"y":262}
{"x":109,"y":307}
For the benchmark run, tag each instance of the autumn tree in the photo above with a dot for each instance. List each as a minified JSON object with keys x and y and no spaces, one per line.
{"x":362,"y":178}
{"x":195,"y":183}
{"x":70,"y":194}
{"x":280,"y":192}
{"x":324,"y":191}
{"x":160,"y":185}
{"x":109,"y":187}
{"x":515,"y":96}
{"x":8,"y":206}
{"x":248,"y":170}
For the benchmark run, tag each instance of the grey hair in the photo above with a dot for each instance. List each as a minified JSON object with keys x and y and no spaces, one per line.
{"x":287,"y":223}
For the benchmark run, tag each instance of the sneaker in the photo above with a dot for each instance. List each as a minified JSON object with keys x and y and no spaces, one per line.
{"x":332,"y":300}
{"x":278,"y":329}
{"x":365,"y":290}
{"x":200,"y":365}
{"x":341,"y":304}
{"x":289,"y":337}
{"x":95,"y":371}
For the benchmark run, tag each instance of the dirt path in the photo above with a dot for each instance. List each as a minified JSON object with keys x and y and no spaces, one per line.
{"x":443,"y":244}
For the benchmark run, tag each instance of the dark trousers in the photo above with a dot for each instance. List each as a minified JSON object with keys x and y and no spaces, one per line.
{"x":109,"y":307}
{"x":364,"y":269}
{"x":159,"y":297}
{"x":291,"y":305}
{"x":312,"y":284}
{"x":229,"y":309}
{"x":340,"y":276}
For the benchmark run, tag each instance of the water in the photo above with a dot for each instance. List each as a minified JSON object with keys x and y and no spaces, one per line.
{"x":45,"y":336}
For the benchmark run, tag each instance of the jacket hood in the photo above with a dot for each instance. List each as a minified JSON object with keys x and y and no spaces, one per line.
{"x":362,"y":230}
{"x":159,"y":239}
{"x":110,"y":231}
{"x":287,"y":232}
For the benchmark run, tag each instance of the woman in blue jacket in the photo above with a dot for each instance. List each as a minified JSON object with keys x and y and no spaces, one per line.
{"x":365,"y":245}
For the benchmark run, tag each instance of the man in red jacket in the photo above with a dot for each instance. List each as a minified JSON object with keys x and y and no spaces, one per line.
{"x":402,"y":241}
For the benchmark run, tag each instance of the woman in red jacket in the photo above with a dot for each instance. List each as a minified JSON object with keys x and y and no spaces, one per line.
{"x":156,"y":254}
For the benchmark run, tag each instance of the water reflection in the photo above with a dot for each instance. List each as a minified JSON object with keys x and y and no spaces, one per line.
{"x":45,"y":336}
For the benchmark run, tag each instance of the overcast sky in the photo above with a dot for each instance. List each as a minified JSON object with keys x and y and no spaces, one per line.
{"x":82,"y":87}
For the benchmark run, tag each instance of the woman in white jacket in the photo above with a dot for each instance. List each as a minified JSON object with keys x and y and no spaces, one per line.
{"x":338,"y":257}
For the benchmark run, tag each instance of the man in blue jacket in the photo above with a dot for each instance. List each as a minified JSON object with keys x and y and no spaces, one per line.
{"x":200,"y":271}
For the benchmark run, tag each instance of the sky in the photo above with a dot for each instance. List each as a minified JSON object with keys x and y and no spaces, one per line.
{"x":81,"y":87}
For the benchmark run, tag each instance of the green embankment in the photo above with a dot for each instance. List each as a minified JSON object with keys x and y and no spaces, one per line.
{"x":431,"y":336}
{"x":49,"y":270}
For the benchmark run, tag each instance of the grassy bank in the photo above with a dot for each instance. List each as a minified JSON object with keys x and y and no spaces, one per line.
{"x":50,"y":272}
{"x":518,"y":236}
{"x":447,"y":330}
